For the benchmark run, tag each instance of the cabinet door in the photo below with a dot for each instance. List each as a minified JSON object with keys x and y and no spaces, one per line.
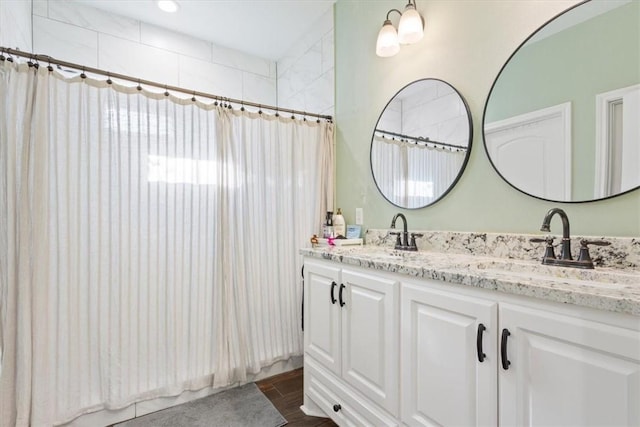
{"x":443,"y":381}
{"x":567,"y":371}
{"x":370,"y":337}
{"x":322,"y":314}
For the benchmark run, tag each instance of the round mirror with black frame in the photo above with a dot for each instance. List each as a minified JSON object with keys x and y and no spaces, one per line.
{"x":421,"y":143}
{"x":561,"y":120}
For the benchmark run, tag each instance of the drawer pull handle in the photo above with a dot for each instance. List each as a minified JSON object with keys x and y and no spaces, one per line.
{"x":336,"y":407}
{"x":481,"y":355}
{"x":333,"y":287}
{"x":503,"y":349}
{"x":340,"y":295}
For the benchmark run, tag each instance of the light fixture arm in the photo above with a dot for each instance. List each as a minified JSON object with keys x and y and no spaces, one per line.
{"x":393,"y":10}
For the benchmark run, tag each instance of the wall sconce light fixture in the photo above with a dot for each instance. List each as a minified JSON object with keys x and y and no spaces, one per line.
{"x":410,"y":30}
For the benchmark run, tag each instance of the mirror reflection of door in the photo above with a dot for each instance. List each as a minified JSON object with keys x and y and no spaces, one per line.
{"x":542,"y":137}
{"x":585,"y":56}
{"x":617,"y":141}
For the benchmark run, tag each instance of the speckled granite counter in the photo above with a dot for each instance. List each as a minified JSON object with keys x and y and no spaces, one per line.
{"x":603,"y":288}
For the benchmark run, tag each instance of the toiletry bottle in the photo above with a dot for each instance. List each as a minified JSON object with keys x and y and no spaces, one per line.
{"x":327,"y":228}
{"x":339,"y":226}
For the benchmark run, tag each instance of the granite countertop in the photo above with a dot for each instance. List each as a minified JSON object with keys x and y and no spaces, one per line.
{"x":607,"y":289}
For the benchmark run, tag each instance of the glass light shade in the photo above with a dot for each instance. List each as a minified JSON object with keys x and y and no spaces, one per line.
{"x":410,"y":28}
{"x":387,"y":44}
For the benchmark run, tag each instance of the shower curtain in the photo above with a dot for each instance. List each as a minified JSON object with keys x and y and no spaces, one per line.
{"x":413,"y":175}
{"x":148,"y":243}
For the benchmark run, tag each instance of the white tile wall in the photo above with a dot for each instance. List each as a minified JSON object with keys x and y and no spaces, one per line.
{"x":179,"y":43}
{"x":94,"y":19}
{"x":212,"y":78}
{"x":303,"y":79}
{"x":262,"y":89}
{"x":65,"y":41}
{"x":40,"y":7}
{"x":306,"y":73}
{"x":15,"y":24}
{"x":241,"y":61}
{"x":88,"y":36}
{"x":136,"y":59}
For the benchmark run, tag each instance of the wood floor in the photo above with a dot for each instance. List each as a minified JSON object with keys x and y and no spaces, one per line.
{"x":285,"y":392}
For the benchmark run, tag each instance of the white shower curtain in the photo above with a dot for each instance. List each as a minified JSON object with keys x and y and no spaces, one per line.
{"x":148,"y":243}
{"x":413,"y":175}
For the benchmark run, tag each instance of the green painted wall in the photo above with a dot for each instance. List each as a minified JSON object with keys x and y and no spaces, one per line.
{"x":574,"y":65}
{"x":466,"y":43}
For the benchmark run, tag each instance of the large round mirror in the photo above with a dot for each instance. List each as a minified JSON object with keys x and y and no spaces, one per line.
{"x":562,"y":119}
{"x":421,"y":143}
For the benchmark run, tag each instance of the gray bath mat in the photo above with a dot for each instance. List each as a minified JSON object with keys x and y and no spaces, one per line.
{"x":243,"y":406}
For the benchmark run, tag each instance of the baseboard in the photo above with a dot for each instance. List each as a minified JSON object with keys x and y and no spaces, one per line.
{"x":106,"y":417}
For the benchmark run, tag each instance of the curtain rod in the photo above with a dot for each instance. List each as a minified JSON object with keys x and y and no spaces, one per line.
{"x":48,"y":59}
{"x":417,"y":139}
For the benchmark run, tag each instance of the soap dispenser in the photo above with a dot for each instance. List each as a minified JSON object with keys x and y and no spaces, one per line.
{"x":339,"y":226}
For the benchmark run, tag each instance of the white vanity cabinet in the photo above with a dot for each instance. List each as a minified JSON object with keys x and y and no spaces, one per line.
{"x":421,"y":352}
{"x":566,"y":370}
{"x":351,"y":343}
{"x":448,"y":363}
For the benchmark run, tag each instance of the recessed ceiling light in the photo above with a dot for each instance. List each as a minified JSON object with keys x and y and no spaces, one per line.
{"x":168,"y":5}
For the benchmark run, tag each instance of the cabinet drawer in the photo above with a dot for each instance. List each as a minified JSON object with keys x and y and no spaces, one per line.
{"x":326,"y":391}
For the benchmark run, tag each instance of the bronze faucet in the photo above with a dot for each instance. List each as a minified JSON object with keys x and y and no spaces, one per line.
{"x":565,"y":259}
{"x":403,"y":243}
{"x":565,"y":252}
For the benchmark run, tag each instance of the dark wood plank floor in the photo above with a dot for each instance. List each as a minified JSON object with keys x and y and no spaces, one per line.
{"x":285,"y":392}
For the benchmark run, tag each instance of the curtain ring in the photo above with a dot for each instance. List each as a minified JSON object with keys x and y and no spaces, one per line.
{"x":109,"y":81}
{"x":139,"y":87}
{"x":83,"y":75}
{"x":166,"y":92}
{"x":9,"y":57}
{"x":193,"y":98}
{"x":2,"y":57}
{"x":259,"y":109}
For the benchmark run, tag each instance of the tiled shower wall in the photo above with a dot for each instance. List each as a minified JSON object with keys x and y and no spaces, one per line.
{"x":306,"y":73}
{"x":65,"y":30}
{"x":15,"y":24}
{"x":85,"y":35}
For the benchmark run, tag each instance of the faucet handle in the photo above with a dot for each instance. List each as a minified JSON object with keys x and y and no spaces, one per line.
{"x":548,"y":240}
{"x":548,"y":252}
{"x":398,"y":240}
{"x":412,"y":245}
{"x":585,"y":243}
{"x":584,"y":255}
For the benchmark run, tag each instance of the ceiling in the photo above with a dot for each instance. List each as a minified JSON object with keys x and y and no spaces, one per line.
{"x":264,"y":28}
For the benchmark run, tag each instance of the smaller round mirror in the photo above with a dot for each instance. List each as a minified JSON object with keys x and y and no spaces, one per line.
{"x":421,"y":144}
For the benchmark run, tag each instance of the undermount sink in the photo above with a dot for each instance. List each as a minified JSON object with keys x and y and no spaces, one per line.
{"x":566,"y":274}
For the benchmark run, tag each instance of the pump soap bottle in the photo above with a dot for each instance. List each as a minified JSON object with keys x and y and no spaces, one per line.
{"x":339,"y":225}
